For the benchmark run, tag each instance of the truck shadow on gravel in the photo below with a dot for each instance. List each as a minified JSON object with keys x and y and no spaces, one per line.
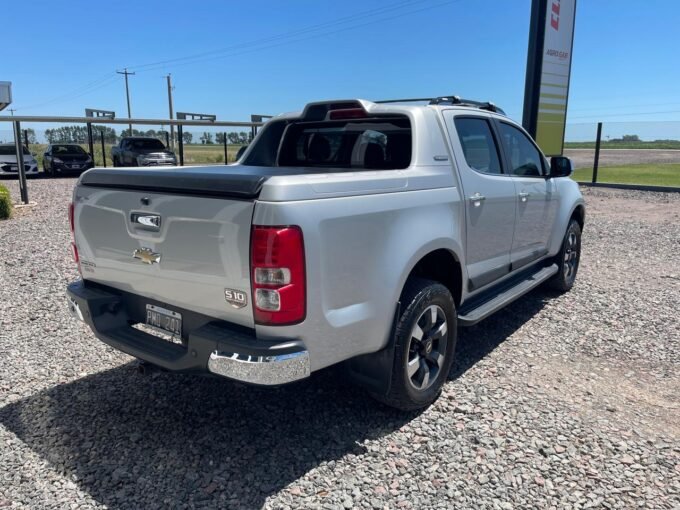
{"x":172,"y":441}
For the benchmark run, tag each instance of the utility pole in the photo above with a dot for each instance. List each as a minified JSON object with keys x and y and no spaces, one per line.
{"x":11,"y":111}
{"x":127,"y":93}
{"x":172,"y":127}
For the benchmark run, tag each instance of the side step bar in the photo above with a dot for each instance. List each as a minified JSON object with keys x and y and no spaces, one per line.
{"x":504,"y":296}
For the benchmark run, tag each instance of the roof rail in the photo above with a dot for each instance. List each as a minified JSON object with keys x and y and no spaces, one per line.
{"x":453,"y":100}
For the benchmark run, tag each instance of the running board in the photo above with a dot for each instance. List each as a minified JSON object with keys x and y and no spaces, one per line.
{"x":505,"y":295}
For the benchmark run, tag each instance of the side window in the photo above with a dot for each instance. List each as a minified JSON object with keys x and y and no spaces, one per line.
{"x":479,"y":145}
{"x":525,"y":159}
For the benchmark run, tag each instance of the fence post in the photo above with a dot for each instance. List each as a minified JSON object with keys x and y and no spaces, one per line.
{"x":90,"y":142}
{"x":180,"y":139}
{"x":26,"y":139}
{"x":20,"y":162}
{"x":167,"y":140}
{"x":224,"y":139}
{"x":596,"y":162}
{"x":101,"y":137}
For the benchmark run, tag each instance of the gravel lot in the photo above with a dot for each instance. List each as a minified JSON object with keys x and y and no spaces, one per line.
{"x":556,"y":402}
{"x":583,"y":158}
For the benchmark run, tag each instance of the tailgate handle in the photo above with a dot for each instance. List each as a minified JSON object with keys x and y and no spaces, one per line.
{"x":146,"y":221}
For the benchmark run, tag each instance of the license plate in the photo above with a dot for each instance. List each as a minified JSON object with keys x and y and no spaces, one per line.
{"x":163,"y":319}
{"x":14,"y":168}
{"x":75,"y":166}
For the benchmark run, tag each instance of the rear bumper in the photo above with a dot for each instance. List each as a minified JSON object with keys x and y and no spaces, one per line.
{"x":208,"y":345}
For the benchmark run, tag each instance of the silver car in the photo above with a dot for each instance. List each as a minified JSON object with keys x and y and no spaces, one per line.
{"x":8,"y":160}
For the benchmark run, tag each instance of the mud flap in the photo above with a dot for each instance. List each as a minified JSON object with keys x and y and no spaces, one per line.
{"x":374,"y":371}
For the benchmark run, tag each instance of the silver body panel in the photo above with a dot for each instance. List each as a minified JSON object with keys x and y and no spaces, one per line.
{"x":363,"y":234}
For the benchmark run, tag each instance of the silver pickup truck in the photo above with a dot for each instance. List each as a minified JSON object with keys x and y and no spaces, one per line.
{"x":352,"y":232}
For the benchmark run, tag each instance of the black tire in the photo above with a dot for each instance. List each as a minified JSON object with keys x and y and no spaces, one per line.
{"x":115,"y":162}
{"x":567,"y":259}
{"x":417,"y":301}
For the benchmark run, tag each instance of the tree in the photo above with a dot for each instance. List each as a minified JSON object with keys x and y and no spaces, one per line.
{"x":31,"y":136}
{"x":233,"y":138}
{"x":187,"y":137}
{"x":219,"y":138}
{"x":206,"y":138}
{"x":110,"y":136}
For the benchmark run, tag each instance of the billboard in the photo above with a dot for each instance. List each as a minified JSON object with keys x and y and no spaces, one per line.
{"x":551,"y":37}
{"x":5,"y":94}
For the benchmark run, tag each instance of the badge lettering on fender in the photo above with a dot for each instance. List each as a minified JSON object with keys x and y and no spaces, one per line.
{"x":236,"y":298}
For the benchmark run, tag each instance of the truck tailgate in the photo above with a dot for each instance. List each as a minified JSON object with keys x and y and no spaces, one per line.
{"x":182,"y":240}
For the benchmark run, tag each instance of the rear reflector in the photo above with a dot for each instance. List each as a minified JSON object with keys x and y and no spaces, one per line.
{"x":72,"y":226}
{"x":277,"y":259}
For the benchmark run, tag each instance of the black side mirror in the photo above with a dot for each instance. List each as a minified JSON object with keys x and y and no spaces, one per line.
{"x":560,"y":166}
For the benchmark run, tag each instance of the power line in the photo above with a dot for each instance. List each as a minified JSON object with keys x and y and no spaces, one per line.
{"x":252,"y":46}
{"x":198,"y":59}
{"x":88,"y":88}
{"x":318,"y":26}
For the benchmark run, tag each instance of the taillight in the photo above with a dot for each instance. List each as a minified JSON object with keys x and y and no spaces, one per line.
{"x":347,"y":113}
{"x":72,"y":225}
{"x":277,"y":260}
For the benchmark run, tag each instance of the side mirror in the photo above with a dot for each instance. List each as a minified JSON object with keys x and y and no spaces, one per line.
{"x":560,"y":166}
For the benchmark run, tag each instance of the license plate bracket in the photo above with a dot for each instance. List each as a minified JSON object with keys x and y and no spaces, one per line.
{"x":164,"y":320}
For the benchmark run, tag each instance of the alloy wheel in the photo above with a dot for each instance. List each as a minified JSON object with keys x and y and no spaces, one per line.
{"x":427,"y":347}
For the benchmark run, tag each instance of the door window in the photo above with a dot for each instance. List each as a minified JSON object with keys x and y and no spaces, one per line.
{"x":479,"y":145}
{"x":525,"y":159}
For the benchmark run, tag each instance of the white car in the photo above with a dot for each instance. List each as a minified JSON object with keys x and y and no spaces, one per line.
{"x":8,"y":160}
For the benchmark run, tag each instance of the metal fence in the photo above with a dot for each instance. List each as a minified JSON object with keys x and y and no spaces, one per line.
{"x":635,"y":153}
{"x":195,"y":141}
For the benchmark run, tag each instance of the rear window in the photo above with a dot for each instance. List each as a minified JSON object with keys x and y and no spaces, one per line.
{"x":146,"y":144}
{"x":67,"y":149}
{"x":380,"y":144}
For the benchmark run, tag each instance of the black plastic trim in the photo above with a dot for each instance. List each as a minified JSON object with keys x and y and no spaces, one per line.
{"x":230,"y":183}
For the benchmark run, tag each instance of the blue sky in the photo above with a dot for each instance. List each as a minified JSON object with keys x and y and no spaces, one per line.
{"x":270,"y":56}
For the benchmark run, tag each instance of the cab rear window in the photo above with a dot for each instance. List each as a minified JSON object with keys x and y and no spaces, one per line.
{"x":371,"y":144}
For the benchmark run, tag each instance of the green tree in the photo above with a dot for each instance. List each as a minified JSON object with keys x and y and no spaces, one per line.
{"x":187,"y":137}
{"x":206,"y":138}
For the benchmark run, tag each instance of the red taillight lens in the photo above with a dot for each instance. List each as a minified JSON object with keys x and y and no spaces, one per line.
{"x":347,"y":113}
{"x":72,"y":225}
{"x":277,"y":259}
{"x":71,"y":220}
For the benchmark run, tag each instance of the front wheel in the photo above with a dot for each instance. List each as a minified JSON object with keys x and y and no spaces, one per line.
{"x":424,"y":345}
{"x":568,"y":259}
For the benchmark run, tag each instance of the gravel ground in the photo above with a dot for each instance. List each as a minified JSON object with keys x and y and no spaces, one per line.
{"x":583,"y":158}
{"x":566,"y":401}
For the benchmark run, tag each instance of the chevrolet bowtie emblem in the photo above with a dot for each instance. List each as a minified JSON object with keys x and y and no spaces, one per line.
{"x":147,"y":256}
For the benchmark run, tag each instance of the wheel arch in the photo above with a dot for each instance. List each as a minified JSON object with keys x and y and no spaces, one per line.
{"x":441,"y":265}
{"x":579,"y":214}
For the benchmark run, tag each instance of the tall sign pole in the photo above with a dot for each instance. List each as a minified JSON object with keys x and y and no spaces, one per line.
{"x":546,"y":89}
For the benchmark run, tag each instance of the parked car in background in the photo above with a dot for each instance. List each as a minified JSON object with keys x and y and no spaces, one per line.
{"x":8,"y":160}
{"x":66,"y":158}
{"x":142,"y":151}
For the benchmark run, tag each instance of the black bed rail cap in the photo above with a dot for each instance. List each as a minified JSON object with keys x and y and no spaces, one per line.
{"x":224,"y":182}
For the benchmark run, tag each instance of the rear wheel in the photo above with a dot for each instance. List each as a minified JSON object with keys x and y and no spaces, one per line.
{"x":568,"y":259}
{"x":425,"y":341}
